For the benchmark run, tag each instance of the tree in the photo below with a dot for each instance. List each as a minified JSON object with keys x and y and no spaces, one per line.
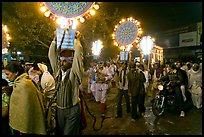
{"x":30,"y":30}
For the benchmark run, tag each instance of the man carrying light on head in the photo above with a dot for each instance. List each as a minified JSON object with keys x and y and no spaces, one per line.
{"x":68,"y":78}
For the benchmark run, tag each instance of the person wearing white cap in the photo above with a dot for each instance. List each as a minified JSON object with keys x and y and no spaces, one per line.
{"x":47,"y":84}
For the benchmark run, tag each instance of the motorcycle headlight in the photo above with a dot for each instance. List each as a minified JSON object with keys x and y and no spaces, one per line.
{"x":160,"y":87}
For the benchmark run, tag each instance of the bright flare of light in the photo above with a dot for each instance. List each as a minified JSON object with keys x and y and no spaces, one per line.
{"x":140,"y":32}
{"x":82,"y":19}
{"x":96,"y":48}
{"x":75,"y":23}
{"x":92,"y":12}
{"x":123,"y":20}
{"x":146,"y":44}
{"x":96,"y":6}
{"x":122,"y":48}
{"x":43,"y":9}
{"x":18,"y":52}
{"x":5,"y":28}
{"x":8,"y":38}
{"x":47,"y":14}
{"x":4,"y":51}
{"x":128,"y":47}
{"x":63,"y":22}
{"x":138,"y":23}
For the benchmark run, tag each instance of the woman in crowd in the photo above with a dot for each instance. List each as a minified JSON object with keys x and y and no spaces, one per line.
{"x":26,"y":111}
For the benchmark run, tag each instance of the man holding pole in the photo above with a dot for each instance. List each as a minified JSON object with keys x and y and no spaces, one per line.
{"x":68,"y":73}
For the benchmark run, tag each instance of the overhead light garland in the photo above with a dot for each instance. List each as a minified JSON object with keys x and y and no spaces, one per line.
{"x":127,"y":33}
{"x":67,"y":13}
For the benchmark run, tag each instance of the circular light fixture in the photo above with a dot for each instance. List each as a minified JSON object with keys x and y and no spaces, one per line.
{"x":127,"y":32}
{"x":69,"y":10}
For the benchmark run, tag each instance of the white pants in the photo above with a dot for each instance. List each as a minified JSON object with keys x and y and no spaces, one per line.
{"x":197,"y":100}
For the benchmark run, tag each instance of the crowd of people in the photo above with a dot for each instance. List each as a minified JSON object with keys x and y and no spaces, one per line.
{"x":37,"y":101}
{"x":133,"y":80}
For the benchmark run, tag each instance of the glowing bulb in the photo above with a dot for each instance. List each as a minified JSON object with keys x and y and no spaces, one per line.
{"x":47,"y":14}
{"x":140,"y":32}
{"x":92,"y":12}
{"x":123,"y":20}
{"x":43,"y":9}
{"x":5,"y":28}
{"x":96,"y":6}
{"x":58,"y":20}
{"x":8,"y":38}
{"x":82,"y":20}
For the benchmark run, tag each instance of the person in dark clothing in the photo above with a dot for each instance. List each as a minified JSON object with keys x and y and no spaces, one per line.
{"x":123,"y":90}
{"x":142,"y":80}
{"x":6,"y":93}
{"x":176,"y":78}
{"x":133,"y":88}
{"x":183,"y":80}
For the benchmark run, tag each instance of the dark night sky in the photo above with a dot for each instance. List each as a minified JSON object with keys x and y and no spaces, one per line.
{"x":158,"y":16}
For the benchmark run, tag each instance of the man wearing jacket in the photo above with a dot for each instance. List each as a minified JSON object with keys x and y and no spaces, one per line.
{"x":68,"y":78}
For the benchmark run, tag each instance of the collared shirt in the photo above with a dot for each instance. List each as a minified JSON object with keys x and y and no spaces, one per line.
{"x":123,"y":77}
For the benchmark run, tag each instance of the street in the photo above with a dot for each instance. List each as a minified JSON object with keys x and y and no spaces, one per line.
{"x":169,"y":124}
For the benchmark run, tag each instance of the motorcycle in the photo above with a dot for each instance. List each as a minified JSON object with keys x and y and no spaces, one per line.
{"x":164,"y":98}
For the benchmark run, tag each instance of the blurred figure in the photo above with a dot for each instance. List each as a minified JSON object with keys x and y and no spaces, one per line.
{"x":26,"y":111}
{"x":195,"y":85}
{"x":6,"y":93}
{"x":166,"y":68}
{"x":142,"y":81}
{"x":176,"y":78}
{"x":184,"y":67}
{"x":184,"y":79}
{"x":156,"y":74}
{"x":123,"y":90}
{"x":47,"y":84}
{"x":133,"y":88}
{"x":101,"y":89}
{"x":33,"y":74}
{"x":91,"y":79}
{"x":28,"y":65}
